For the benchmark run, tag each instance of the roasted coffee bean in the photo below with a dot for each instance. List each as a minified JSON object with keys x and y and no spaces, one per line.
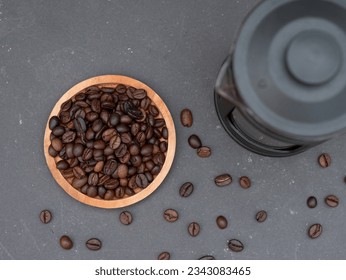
{"x":91,"y":116}
{"x":96,"y":105}
{"x":153,"y":110}
{"x":194,"y":141}
{"x":89,"y":134}
{"x":111,"y":184}
{"x":193,"y":229}
{"x":149,"y":165}
{"x":121,"y":150}
{"x":84,"y":189}
{"x":52,"y":152}
{"x":93,"y":244}
{"x":78,"y":172}
{"x":101,"y":191}
{"x":99,"y":145}
{"x":245,"y":182}
{"x":109,"y":195}
{"x":332,"y":201}
{"x":164,"y":133}
{"x":68,"y":173}
{"x":98,"y":155}
{"x":159,"y":158}
{"x":115,"y":141}
{"x":108,"y":151}
{"x":235,"y":245}
{"x":129,"y":191}
{"x":170,"y":215}
{"x":87,"y":154}
{"x":163,"y":146}
{"x":159,"y":123}
{"x":145,"y":103}
{"x":204,"y":152}
{"x":65,"y":117}
{"x":66,"y":105}
{"x":98,"y":135}
{"x":126,"y":138}
{"x":45,"y":216}
{"x":221,"y":222}
{"x":156,"y":170}
{"x":186,"y":189}
{"x":125,"y":158}
{"x":114,"y":119}
{"x":98,"y":166}
{"x":80,"y":96}
{"x":93,"y":179}
{"x":122,"y":128}
{"x":125,"y":217}
{"x":120,"y":88}
{"x":122,"y":170}
{"x":78,"y":183}
{"x":207,"y":257}
{"x":146,"y":150}
{"x":68,"y":136}
{"x":69,"y":150}
{"x":164,"y":256}
{"x":78,"y":149}
{"x":142,"y":181}
{"x":97,"y":125}
{"x":139,"y":94}
{"x":186,"y":117}
{"x":108,"y":105}
{"x":108,"y":134}
{"x":53,"y":122}
{"x":66,"y":242}
{"x":140,"y":137}
{"x":311,"y":202}
{"x":135,"y":129}
{"x":123,"y":182}
{"x":124,"y":119}
{"x":62,"y":153}
{"x":62,"y":165}
{"x":223,"y":180}
{"x":79,"y":125}
{"x":261,"y":216}
{"x":315,"y":231}
{"x":119,"y":192}
{"x":58,"y":131}
{"x":324,"y":160}
{"x":57,"y":144}
{"x":110,"y":167}
{"x":92,"y":191}
{"x":134,"y":150}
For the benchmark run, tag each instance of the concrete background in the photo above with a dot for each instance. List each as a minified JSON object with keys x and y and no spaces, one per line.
{"x":176,"y":47}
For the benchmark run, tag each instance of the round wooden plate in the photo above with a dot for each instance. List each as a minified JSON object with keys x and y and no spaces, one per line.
{"x":113,"y":81}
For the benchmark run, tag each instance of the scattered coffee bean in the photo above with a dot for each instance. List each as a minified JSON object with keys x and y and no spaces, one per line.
{"x":193,"y":229}
{"x":324,"y":160}
{"x":170,"y":215}
{"x":207,"y":258}
{"x":186,"y":189}
{"x":235,"y":245}
{"x":45,"y":216}
{"x":66,"y":242}
{"x":125,"y":217}
{"x":245,"y":182}
{"x":311,"y":202}
{"x":186,"y":117}
{"x":261,"y":216}
{"x":194,"y":141}
{"x":315,"y":231}
{"x":93,"y":244}
{"x":221,"y":222}
{"x":164,"y":256}
{"x":332,"y":200}
{"x":204,"y":152}
{"x":223,"y":180}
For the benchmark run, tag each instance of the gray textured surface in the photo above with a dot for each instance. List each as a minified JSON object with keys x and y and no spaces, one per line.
{"x":176,"y":47}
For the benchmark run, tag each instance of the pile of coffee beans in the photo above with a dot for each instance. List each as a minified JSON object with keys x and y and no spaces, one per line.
{"x":109,"y":143}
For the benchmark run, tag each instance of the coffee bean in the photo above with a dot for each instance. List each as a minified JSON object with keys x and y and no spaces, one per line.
{"x":79,"y":125}
{"x":109,"y":195}
{"x":170,"y":215}
{"x":52,"y":152}
{"x":99,"y":144}
{"x":223,"y":180}
{"x":111,"y":183}
{"x":332,"y":201}
{"x":122,"y":170}
{"x":163,"y":146}
{"x":139,"y":94}
{"x":193,"y":229}
{"x":164,"y":256}
{"x":93,"y":244}
{"x":186,"y":117}
{"x":53,"y":122}
{"x":78,"y":149}
{"x":57,"y":144}
{"x":221,"y":222}
{"x":87,"y":154}
{"x":78,"y":183}
{"x":245,"y":182}
{"x":92,"y":191}
{"x":311,"y":202}
{"x":110,"y":167}
{"x":125,"y":217}
{"x":62,"y":165}
{"x":147,"y":149}
{"x":115,"y":141}
{"x":66,"y":242}
{"x":68,"y":173}
{"x":207,"y":257}
{"x":45,"y":216}
{"x":93,"y":179}
{"x":194,"y":141}
{"x":78,"y":172}
{"x":315,"y":231}
{"x":120,"y":88}
{"x":261,"y":216}
{"x":204,"y":152}
{"x":324,"y":160}
{"x":235,"y":245}
{"x":142,"y":181}
{"x":186,"y":189}
{"x":58,"y":131}
{"x":98,"y":166}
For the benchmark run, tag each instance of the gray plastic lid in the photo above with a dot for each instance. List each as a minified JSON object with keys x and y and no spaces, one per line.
{"x":289,"y":66}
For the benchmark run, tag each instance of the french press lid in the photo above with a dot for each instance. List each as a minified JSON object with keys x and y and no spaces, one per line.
{"x":289,"y":66}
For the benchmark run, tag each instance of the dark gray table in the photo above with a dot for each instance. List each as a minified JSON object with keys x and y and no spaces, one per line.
{"x":176,"y":47}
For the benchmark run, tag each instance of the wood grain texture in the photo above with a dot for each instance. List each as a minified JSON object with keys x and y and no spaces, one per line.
{"x":113,"y":81}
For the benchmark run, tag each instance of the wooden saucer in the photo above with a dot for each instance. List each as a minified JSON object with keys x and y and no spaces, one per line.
{"x":113,"y":81}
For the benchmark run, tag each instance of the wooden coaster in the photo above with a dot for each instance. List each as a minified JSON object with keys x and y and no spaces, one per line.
{"x":113,"y":81}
